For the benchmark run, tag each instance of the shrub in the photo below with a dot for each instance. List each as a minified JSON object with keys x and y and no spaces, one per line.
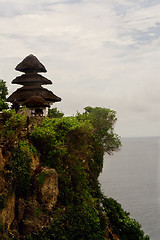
{"x":54,"y":113}
{"x":124,"y":226}
{"x":13,"y":125}
{"x":19,"y":165}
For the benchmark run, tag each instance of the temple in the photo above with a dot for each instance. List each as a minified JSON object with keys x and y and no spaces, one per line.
{"x":32,"y":95}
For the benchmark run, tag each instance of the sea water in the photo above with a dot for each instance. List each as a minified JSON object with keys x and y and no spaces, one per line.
{"x":132,"y":177}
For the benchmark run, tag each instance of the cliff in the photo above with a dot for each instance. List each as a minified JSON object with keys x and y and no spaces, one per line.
{"x":49,"y":180}
{"x":21,"y":214}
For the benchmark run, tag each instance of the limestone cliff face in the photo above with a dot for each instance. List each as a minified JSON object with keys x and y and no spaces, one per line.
{"x":19,"y":216}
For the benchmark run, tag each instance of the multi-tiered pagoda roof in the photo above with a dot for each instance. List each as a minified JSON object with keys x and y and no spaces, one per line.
{"x":32,"y":94}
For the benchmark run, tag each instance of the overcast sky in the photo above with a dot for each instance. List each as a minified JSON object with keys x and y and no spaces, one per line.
{"x":97,"y":53}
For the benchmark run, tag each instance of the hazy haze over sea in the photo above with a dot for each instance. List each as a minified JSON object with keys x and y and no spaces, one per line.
{"x":132,"y":177}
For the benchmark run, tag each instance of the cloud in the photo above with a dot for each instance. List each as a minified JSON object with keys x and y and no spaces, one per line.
{"x":98,"y":53}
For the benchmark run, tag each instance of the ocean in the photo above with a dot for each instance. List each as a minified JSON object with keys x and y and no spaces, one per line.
{"x":132,"y":177}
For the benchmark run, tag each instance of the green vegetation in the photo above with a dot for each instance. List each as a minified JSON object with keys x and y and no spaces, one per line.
{"x":123,"y":225}
{"x":14,"y":123}
{"x":20,"y":149}
{"x":104,"y":140}
{"x":55,"y":113}
{"x":3,"y":94}
{"x":19,"y":165}
{"x":75,"y":147}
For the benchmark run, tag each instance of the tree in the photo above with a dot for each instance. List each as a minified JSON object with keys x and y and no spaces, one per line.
{"x":104,"y":138}
{"x":3,"y":93}
{"x":3,"y":105}
{"x":3,"y":90}
{"x":103,"y":120}
{"x":55,"y":113}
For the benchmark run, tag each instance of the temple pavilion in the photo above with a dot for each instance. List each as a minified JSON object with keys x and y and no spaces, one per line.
{"x":32,"y":95}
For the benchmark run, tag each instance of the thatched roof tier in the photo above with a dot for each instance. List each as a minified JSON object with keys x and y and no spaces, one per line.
{"x":32,"y":94}
{"x":31,"y":65}
{"x":31,"y":78}
{"x":36,"y":101}
{"x":24,"y":93}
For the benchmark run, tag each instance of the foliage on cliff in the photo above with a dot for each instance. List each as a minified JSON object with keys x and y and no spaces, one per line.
{"x":75,"y":147}
{"x":14,"y":123}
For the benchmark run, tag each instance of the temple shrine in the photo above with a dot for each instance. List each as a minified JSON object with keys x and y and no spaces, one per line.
{"x":32,"y":95}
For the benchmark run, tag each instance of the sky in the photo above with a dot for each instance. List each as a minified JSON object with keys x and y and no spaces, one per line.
{"x":99,"y":53}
